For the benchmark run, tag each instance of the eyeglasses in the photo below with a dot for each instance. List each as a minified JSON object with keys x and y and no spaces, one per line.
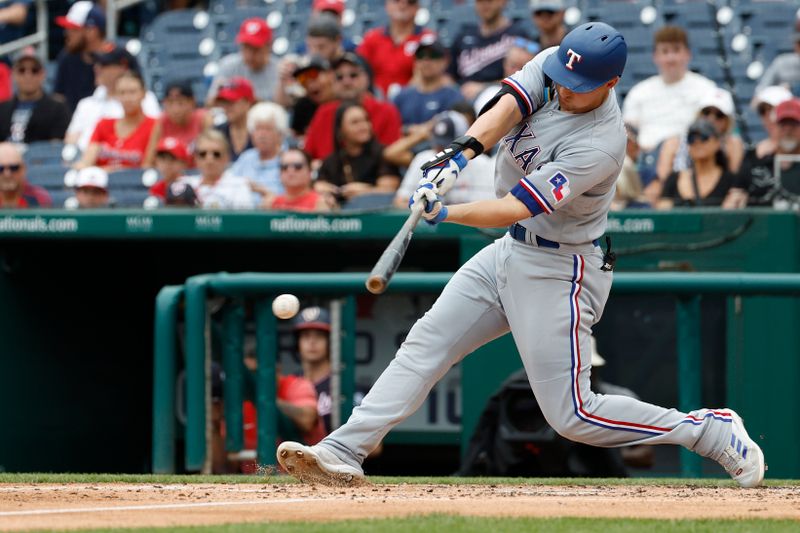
{"x":295,"y":166}
{"x":351,"y":75}
{"x":409,"y":2}
{"x":694,"y":137}
{"x":544,"y":13}
{"x":216,"y":154}
{"x":713,"y":112}
{"x":31,"y":70}
{"x":14,"y":167}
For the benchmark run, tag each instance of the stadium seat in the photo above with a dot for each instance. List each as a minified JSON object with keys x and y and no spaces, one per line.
{"x":47,"y":175}
{"x":43,"y":152}
{"x":370,"y":201}
{"x":127,"y":178}
{"x":59,"y":196}
{"x":129,"y":198}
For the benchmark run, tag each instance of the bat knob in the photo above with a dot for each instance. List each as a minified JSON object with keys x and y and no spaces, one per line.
{"x":376,"y":284}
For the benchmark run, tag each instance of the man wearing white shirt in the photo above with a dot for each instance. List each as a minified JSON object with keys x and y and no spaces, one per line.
{"x":109,"y":66}
{"x":664,"y":106}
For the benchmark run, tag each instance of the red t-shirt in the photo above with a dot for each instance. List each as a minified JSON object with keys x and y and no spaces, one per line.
{"x":386,"y":124}
{"x":391,"y":63}
{"x":186,"y":134}
{"x":32,"y":196}
{"x":306,"y":202}
{"x":127,"y":152}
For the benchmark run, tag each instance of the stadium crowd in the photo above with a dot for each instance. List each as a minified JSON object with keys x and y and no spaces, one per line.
{"x":340,"y":123}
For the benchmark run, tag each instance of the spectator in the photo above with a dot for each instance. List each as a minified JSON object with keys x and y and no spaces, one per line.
{"x":181,"y":194}
{"x":15,"y":191}
{"x":716,"y":107}
{"x":522,"y":50}
{"x":216,"y":187}
{"x":122,"y":142}
{"x":253,"y":62}
{"x":474,"y":182}
{"x":236,"y":97}
{"x":91,"y":188}
{"x":706,"y":181}
{"x":356,"y":166}
{"x":296,"y":180}
{"x":478,"y":49}
{"x":172,"y":159}
{"x":13,"y":17}
{"x":664,"y":105}
{"x":267,"y":124}
{"x":181,"y":118}
{"x":757,"y":183}
{"x":84,"y":36}
{"x":629,"y":183}
{"x":785,"y":68}
{"x":548,"y":17}
{"x":351,"y":83}
{"x":315,"y":75}
{"x":334,"y":8}
{"x":109,"y":67}
{"x":389,"y":50}
{"x":764,"y":102}
{"x":431,"y":90}
{"x":32,"y":115}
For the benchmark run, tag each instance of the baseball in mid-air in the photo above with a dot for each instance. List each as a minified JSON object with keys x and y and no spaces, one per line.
{"x":285,"y":306}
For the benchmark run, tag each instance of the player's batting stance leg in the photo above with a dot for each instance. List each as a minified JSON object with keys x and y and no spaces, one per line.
{"x":546,"y":280}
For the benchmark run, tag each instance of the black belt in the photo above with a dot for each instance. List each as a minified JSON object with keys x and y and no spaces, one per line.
{"x":519,"y":232}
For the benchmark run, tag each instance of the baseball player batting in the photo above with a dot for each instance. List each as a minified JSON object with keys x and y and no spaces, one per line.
{"x":562,"y":144}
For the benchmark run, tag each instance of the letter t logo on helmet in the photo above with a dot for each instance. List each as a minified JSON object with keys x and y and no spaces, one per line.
{"x":574,"y":57}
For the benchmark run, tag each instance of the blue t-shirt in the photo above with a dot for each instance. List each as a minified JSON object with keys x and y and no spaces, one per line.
{"x":267,"y":173}
{"x":479,"y":58}
{"x":416,"y":107}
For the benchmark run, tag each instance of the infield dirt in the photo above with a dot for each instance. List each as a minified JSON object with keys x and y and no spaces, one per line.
{"x":72,"y":506}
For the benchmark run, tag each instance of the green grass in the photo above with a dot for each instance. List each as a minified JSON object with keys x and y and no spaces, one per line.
{"x":439,"y":522}
{"x":269,"y":479}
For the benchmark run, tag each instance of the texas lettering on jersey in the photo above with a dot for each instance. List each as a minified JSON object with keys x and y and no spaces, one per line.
{"x":525,"y":154}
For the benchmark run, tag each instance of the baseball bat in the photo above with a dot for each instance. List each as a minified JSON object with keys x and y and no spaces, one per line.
{"x":389,"y":261}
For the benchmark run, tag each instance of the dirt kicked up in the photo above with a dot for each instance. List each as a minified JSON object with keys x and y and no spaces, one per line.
{"x":74,"y":506}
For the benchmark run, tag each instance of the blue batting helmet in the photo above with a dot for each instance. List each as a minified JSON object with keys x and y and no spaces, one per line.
{"x":589,"y":56}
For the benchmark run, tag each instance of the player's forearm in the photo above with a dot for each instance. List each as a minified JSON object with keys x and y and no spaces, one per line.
{"x":488,"y":213}
{"x":492,"y":125}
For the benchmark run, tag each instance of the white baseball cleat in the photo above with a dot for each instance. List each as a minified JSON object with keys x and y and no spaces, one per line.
{"x":742,"y":458}
{"x":315,"y":464}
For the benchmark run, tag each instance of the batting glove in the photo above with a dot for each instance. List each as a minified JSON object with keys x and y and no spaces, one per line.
{"x":442,"y":171}
{"x":435,"y":211}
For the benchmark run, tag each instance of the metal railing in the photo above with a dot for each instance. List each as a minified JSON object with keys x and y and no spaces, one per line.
{"x":686,"y":287}
{"x":38,"y":38}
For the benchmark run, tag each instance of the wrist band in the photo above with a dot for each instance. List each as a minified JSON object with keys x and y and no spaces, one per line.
{"x":465,"y":141}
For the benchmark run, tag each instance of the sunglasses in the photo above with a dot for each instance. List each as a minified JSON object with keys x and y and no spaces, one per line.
{"x":31,"y":70}
{"x":307,"y":75}
{"x":429,"y":55}
{"x":544,"y":13}
{"x":216,"y":154}
{"x":409,"y":2}
{"x":694,"y":137}
{"x":295,"y":166}
{"x":712,"y":112}
{"x":351,"y":75}
{"x":14,"y":167}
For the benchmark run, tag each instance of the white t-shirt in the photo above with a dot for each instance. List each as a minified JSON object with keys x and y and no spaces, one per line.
{"x":475,"y":182}
{"x":229,"y":192}
{"x":100,"y":105}
{"x":661,"y":110}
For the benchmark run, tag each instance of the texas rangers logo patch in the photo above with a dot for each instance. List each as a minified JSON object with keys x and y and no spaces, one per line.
{"x":560,"y":187}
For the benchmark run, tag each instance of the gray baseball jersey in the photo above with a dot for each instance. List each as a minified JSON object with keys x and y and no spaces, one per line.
{"x":549,"y":295}
{"x":562,"y":164}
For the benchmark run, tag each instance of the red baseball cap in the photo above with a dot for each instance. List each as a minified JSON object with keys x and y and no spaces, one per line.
{"x":237,"y":89}
{"x":337,"y":6}
{"x":790,"y":109}
{"x":255,"y":32}
{"x":174,"y":147}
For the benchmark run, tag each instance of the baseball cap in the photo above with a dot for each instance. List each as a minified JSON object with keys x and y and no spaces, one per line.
{"x":589,"y":56}
{"x":236,"y":89}
{"x":116,"y":55}
{"x":351,"y":58}
{"x":182,"y":87}
{"x":788,"y":110}
{"x":772,"y":95}
{"x":29,"y":52}
{"x":547,"y":5}
{"x":430,"y":45}
{"x":255,"y":32}
{"x":307,"y":63}
{"x":180,"y":193}
{"x":719,"y":98}
{"x":448,"y":126}
{"x":92,"y":177}
{"x":324,"y":25}
{"x":83,"y":14}
{"x":313,"y":318}
{"x":174,"y":147}
{"x":337,"y":6}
